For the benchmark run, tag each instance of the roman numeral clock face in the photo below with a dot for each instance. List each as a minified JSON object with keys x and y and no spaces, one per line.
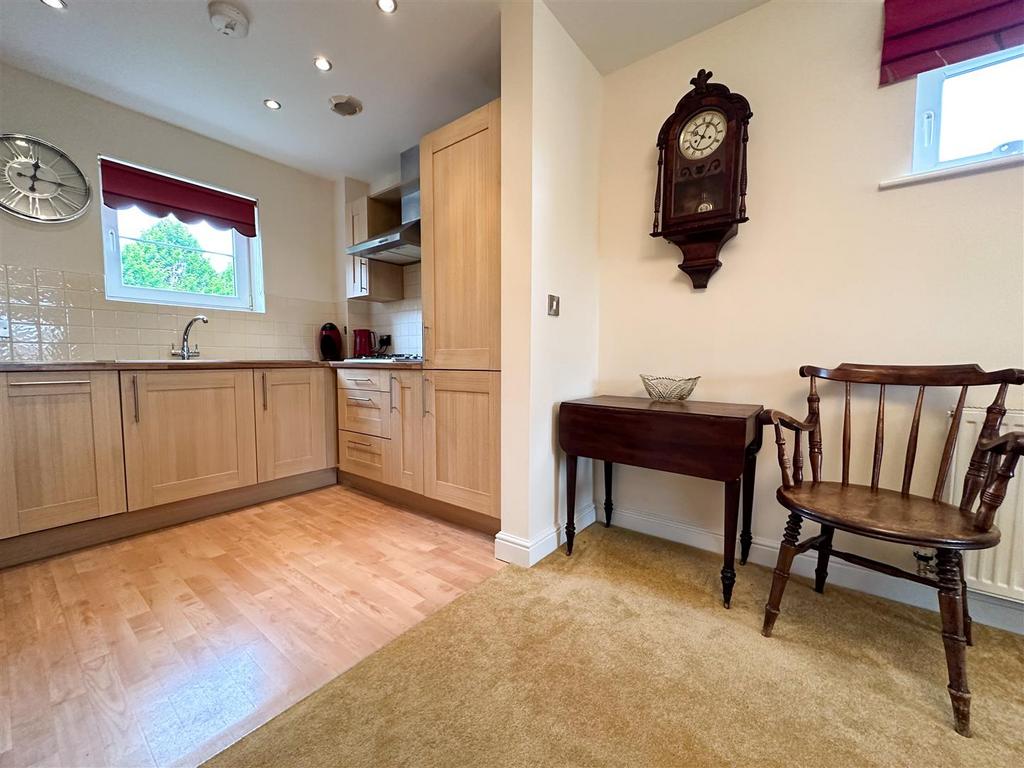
{"x":702,"y":134}
{"x":39,"y":182}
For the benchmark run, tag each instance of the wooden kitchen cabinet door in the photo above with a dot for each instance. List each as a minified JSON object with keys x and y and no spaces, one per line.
{"x":291,"y":422}
{"x":187,"y":433}
{"x":365,"y":412}
{"x":460,"y":190}
{"x":461,"y":439}
{"x":61,"y":457}
{"x":405,"y":448}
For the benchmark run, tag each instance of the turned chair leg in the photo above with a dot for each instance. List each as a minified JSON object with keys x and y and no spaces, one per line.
{"x":787,"y":551}
{"x":967,"y":612}
{"x":824,"y":552}
{"x":952,"y":610}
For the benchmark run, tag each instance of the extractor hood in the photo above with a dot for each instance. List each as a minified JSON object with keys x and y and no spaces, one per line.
{"x":400,"y":245}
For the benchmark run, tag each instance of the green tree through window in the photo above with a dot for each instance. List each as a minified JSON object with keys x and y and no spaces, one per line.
{"x":169,"y":262}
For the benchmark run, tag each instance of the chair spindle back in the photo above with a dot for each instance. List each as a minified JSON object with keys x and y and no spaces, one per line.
{"x":984,"y":467}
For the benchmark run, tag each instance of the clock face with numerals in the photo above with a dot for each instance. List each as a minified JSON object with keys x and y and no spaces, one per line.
{"x":702,"y":134}
{"x":39,"y":182}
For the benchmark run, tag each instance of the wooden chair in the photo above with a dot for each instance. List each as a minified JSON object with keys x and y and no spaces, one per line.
{"x":898,"y":516}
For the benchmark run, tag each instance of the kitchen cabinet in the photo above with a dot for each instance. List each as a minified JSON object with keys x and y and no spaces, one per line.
{"x":367,"y":279}
{"x":364,"y":412}
{"x":404,"y":460}
{"x":291,"y":423}
{"x":460,"y":190}
{"x":61,"y":455}
{"x":187,"y":433}
{"x":361,"y":455}
{"x":371,"y":280}
{"x":461,"y":429}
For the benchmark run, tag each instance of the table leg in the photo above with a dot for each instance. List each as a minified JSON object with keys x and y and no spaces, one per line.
{"x":732,"y":511}
{"x":746,"y":539}
{"x":607,"y":494}
{"x":570,"y":502}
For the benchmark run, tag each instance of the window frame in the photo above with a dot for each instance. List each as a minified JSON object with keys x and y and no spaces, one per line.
{"x":928,"y":114}
{"x":248,"y":265}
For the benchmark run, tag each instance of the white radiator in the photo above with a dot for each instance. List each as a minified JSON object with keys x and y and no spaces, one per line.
{"x":999,"y":570}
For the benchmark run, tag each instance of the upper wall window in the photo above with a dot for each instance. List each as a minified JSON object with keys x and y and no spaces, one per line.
{"x":168,"y":240}
{"x":970,"y":112}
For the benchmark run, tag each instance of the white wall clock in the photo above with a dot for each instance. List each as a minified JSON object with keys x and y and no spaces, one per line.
{"x":39,"y":182}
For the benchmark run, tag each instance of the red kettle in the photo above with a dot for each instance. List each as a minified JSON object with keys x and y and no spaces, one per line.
{"x":364,"y":342}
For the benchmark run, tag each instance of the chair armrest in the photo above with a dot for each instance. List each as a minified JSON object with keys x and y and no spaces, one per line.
{"x":1011,"y":442}
{"x":1011,"y":446}
{"x":780,"y":418}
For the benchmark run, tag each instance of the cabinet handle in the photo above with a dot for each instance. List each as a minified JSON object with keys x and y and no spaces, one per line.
{"x":364,"y":379}
{"x":426,"y":381}
{"x":135,"y":396}
{"x":391,"y":392}
{"x":361,"y":399}
{"x":356,"y":442}
{"x":264,"y":390}
{"x":43,"y":383}
{"x":426,"y":347}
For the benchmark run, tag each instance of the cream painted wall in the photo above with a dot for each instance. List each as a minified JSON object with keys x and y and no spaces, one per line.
{"x":549,"y":245}
{"x":828,"y":269}
{"x":516,"y":272}
{"x":297,"y":210}
{"x":563,"y":349}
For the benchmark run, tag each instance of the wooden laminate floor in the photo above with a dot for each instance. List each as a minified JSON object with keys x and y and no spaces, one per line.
{"x":164,"y":648}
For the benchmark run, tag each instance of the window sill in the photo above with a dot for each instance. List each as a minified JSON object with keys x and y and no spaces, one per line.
{"x":947,"y":173}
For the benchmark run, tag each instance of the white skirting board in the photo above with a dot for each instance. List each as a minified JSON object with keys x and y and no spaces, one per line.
{"x":524,"y":552}
{"x":985,"y":609}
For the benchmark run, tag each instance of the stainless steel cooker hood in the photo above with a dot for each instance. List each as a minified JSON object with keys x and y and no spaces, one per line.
{"x":400,"y":245}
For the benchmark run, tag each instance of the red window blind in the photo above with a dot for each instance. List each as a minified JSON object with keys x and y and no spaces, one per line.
{"x":158,"y":195}
{"x":921,"y":35}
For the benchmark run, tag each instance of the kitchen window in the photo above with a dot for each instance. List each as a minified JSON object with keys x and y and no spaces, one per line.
{"x":169,"y":240}
{"x":970,"y":112}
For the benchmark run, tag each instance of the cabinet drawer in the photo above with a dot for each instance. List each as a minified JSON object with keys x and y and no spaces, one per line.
{"x":361,"y":378}
{"x":365,"y":412}
{"x":361,"y":455}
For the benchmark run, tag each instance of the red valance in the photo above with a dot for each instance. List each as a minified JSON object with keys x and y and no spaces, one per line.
{"x":921,"y":35}
{"x":159,"y":195}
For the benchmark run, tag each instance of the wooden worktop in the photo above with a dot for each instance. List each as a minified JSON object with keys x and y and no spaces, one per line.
{"x":156,"y":365}
{"x":198,"y":365}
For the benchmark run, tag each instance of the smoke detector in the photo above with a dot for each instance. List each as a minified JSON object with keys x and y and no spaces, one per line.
{"x":346,"y":106}
{"x":228,"y":20}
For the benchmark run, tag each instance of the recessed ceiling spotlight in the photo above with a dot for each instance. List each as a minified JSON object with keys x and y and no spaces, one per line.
{"x":388,"y":6}
{"x":272,"y":104}
{"x":323,"y":64}
{"x":59,"y":5}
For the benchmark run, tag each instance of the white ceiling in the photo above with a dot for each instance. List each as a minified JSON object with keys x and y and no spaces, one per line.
{"x":414,"y":70}
{"x":614,"y":33}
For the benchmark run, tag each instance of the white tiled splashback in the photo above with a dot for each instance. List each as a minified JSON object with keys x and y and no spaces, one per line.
{"x":402,"y":319}
{"x":55,"y":316}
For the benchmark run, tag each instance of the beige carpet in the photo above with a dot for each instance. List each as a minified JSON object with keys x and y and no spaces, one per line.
{"x":622,"y":655}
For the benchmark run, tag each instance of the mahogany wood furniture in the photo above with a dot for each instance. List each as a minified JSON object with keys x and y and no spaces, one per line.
{"x":717,"y":441}
{"x":700,"y":197}
{"x":899,"y":516}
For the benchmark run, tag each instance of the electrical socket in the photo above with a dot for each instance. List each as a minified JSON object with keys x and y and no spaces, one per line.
{"x":5,"y":328}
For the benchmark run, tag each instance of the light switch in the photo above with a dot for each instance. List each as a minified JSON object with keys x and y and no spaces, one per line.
{"x":553,"y":304}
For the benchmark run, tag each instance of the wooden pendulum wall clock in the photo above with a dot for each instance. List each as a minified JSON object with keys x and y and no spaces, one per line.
{"x":700,"y":199}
